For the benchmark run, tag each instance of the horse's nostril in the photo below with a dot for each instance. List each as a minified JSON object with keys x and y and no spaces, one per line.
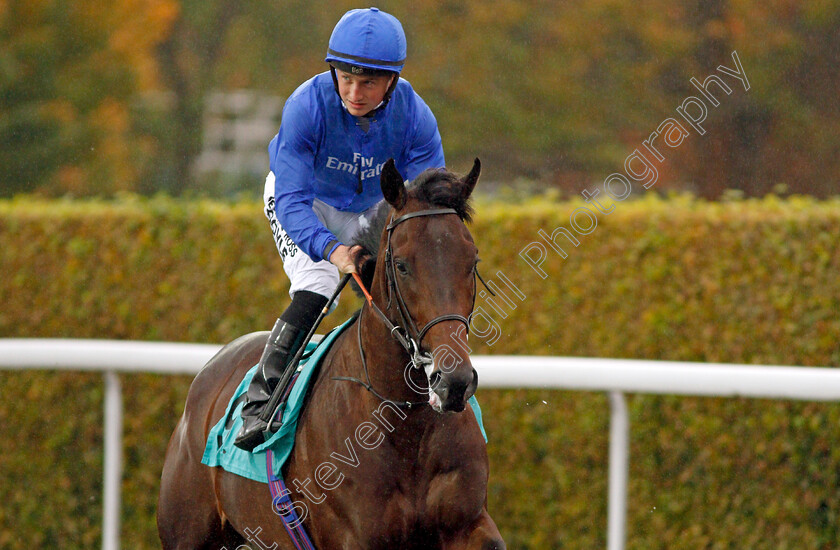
{"x":473,"y":385}
{"x":434,"y":380}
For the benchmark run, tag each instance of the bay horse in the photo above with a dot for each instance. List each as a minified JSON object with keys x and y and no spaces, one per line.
{"x":415,"y":479}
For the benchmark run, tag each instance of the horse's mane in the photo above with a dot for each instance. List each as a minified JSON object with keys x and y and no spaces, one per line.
{"x":436,"y":187}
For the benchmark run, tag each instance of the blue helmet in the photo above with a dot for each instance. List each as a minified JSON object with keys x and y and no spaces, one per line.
{"x":367,"y":41}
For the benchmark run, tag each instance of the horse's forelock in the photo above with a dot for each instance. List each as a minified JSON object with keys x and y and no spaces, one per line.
{"x":435,"y":187}
{"x":440,"y":187}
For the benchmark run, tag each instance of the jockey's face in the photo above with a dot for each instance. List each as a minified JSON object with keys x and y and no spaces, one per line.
{"x":361,"y":94}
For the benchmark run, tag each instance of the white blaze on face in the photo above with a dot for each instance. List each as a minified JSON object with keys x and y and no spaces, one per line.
{"x":434,"y":399}
{"x":429,"y":367}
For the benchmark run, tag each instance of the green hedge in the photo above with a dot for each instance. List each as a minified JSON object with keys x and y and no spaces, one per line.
{"x":678,"y":279}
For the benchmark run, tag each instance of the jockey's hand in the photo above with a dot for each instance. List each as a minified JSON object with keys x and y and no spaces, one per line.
{"x":343,"y":257}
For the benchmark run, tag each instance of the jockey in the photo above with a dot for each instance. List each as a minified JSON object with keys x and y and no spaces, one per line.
{"x":337,"y":131}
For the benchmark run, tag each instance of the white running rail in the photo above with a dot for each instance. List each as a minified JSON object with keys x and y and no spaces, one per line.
{"x":613,"y":376}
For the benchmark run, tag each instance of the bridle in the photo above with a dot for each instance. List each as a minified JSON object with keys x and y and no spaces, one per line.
{"x":410,"y":337}
{"x":406,"y":333}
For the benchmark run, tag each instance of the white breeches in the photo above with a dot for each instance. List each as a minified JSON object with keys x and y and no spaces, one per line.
{"x":305,"y":274}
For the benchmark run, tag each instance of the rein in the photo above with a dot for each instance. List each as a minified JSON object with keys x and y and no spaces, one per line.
{"x":410,"y":343}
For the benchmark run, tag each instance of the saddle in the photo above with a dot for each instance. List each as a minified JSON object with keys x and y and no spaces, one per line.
{"x":220,"y":450}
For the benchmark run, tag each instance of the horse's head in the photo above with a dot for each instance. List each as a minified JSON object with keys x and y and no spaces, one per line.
{"x":426,"y":277}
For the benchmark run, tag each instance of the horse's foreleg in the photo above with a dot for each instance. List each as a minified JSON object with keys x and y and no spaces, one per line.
{"x":187,"y":516}
{"x":481,"y":535}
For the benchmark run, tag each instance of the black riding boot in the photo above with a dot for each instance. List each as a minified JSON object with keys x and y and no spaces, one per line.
{"x":282,"y":345}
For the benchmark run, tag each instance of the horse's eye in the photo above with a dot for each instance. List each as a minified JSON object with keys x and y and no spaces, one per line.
{"x":401,"y":267}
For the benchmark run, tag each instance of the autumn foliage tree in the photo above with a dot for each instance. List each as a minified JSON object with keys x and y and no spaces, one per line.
{"x":558,"y":93}
{"x":69,"y":72}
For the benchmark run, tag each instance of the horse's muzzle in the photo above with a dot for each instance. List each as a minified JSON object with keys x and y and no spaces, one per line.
{"x":452,"y":390}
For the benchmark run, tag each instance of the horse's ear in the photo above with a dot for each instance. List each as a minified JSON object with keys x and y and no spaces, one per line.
{"x":471,"y":179}
{"x":393,"y":188}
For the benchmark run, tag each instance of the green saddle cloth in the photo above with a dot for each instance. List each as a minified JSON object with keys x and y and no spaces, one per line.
{"x":220,"y":450}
